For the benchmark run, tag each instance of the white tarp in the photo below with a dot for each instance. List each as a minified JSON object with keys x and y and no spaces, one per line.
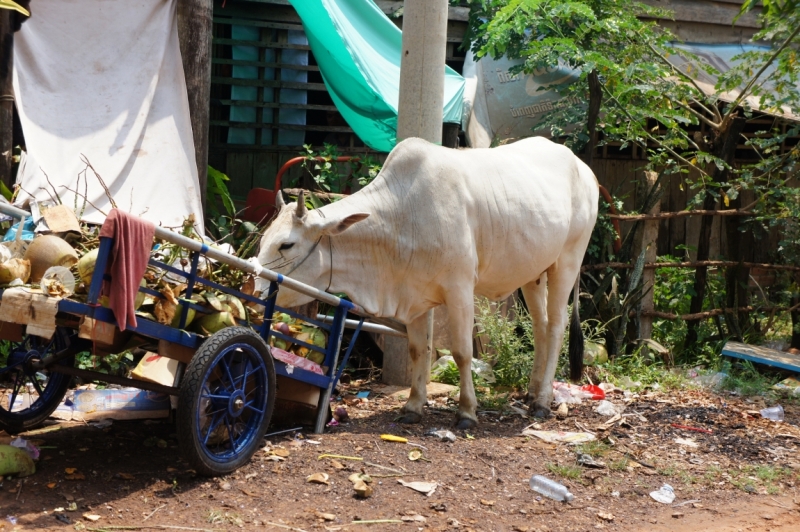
{"x":105,"y":80}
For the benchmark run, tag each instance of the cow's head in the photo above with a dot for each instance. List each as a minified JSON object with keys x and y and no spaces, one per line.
{"x":293,"y":245}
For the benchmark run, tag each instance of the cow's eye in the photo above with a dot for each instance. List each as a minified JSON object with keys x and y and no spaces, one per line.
{"x":285,"y":246}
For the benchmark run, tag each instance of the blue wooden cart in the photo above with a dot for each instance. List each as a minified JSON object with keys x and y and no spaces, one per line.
{"x":226,"y":389}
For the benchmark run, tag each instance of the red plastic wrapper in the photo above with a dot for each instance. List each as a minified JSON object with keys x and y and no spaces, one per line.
{"x":296,"y":361}
{"x":597,"y":392}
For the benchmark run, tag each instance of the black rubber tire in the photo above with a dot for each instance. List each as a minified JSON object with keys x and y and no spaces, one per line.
{"x":190,"y":401}
{"x":22,"y":421}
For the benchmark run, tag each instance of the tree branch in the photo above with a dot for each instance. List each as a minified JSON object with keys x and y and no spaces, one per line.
{"x":746,"y":90}
{"x":686,"y":76}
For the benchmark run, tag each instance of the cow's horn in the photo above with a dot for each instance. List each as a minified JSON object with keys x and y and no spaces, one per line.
{"x":279,"y":203}
{"x":301,"y":205}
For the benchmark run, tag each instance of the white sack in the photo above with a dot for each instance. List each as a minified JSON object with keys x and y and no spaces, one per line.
{"x":105,"y":79}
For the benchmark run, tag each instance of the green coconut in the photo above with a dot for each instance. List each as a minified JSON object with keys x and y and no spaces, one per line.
{"x":140,"y":296}
{"x":176,"y":319}
{"x":211,"y":323}
{"x":316,"y":356}
{"x":234,"y":305}
{"x":86,"y":266}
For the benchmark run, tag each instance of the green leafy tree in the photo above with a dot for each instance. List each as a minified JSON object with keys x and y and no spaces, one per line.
{"x":642,"y":89}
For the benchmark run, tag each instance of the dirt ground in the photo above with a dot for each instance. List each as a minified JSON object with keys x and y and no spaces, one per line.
{"x":741,"y":474}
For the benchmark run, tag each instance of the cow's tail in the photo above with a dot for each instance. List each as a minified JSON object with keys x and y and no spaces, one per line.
{"x":576,"y":336}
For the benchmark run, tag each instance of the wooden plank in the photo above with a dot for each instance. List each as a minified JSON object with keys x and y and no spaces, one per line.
{"x":240,"y":170}
{"x":707,"y":12}
{"x":221,"y":19}
{"x":268,"y":83}
{"x":762,"y":355}
{"x":265,"y":167}
{"x":275,"y":105}
{"x":261,"y":44}
{"x":241,"y":62}
{"x":269,"y":125}
{"x":453,"y":12}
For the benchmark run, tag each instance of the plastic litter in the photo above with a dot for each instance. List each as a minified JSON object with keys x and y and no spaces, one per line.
{"x":606,"y":408}
{"x":775,"y":413}
{"x":553,"y":436}
{"x":480,"y":368}
{"x":790,"y":385}
{"x":628,"y":384}
{"x":571,"y":394}
{"x":11,"y":519}
{"x":58,"y":280}
{"x":28,"y":447}
{"x":443,"y":435}
{"x":664,"y":495}
{"x":550,"y":489}
{"x":27,"y":231}
{"x":588,"y":460}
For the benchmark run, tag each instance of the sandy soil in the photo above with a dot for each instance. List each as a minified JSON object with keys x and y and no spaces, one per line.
{"x":743,"y":474}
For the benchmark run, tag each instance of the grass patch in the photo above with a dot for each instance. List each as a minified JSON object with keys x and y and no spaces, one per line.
{"x":619,"y":465}
{"x":572,"y":472}
{"x":686,"y":477}
{"x":491,"y":400}
{"x":667,"y":471}
{"x":767,"y":472}
{"x":595,"y":449}
{"x":746,"y":380}
{"x":713,"y":473}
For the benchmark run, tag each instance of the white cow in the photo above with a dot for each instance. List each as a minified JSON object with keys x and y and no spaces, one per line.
{"x":439,"y":226}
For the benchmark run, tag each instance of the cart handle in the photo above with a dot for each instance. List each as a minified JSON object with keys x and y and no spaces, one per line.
{"x":249,"y":267}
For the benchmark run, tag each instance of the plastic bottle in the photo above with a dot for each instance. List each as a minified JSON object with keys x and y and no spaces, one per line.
{"x":550,"y":488}
{"x":775,"y":413}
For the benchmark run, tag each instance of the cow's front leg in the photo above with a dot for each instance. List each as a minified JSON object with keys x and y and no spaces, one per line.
{"x":461,"y":318}
{"x":420,"y":368}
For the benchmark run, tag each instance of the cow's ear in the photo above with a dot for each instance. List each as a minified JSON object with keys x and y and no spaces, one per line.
{"x":334,"y":227}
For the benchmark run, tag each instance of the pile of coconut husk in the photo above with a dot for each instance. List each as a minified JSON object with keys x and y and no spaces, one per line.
{"x":62,"y":264}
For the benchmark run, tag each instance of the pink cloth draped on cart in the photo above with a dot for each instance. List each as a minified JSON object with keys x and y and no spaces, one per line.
{"x":133,"y":238}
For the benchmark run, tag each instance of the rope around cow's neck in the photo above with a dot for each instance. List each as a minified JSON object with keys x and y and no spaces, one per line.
{"x":330,"y":248}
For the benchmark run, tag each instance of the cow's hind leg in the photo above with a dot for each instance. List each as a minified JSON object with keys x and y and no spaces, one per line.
{"x":536,"y":299}
{"x":420,"y":368}
{"x":461,"y":318}
{"x":560,"y":281}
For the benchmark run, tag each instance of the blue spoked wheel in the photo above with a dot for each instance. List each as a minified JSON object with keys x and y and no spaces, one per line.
{"x":226,"y":400}
{"x":29,"y":394}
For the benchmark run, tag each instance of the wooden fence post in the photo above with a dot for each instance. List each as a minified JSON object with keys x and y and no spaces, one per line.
{"x":648,"y":243}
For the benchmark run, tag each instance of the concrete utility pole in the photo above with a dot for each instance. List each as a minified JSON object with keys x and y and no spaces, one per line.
{"x":6,"y":96}
{"x":195,"y":18}
{"x":419,"y":114}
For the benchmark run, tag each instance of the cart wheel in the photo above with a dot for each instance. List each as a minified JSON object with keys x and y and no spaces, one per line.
{"x":226,"y":400}
{"x":19,"y":377}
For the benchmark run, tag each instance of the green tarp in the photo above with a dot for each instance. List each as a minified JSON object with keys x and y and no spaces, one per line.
{"x":358,"y":49}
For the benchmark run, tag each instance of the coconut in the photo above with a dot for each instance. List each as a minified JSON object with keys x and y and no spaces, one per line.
{"x":46,"y":251}
{"x":176,"y":319}
{"x":235,"y":306}
{"x":86,"y":266}
{"x":15,"y":269}
{"x":211,"y":323}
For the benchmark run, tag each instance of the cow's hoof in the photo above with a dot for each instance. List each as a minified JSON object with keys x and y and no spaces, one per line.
{"x":409,"y":418}
{"x":540,"y":412}
{"x":466,"y":423}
